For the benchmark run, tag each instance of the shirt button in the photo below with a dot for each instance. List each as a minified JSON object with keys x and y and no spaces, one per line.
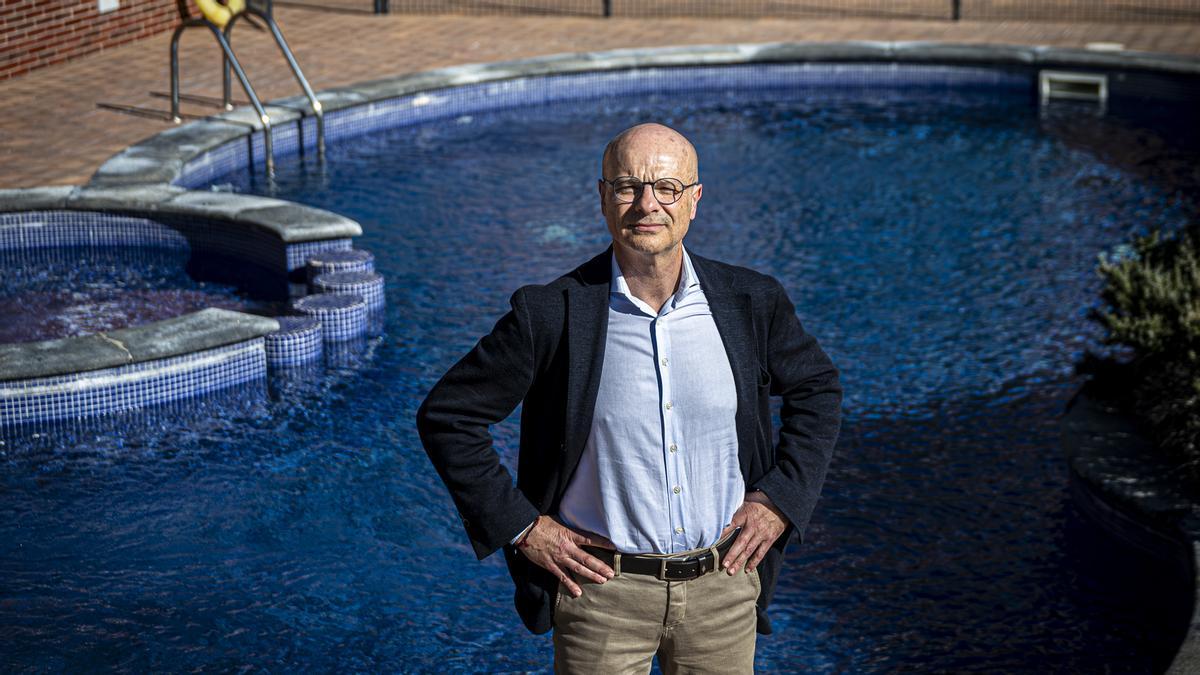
{"x":679,"y":530}
{"x":664,"y":360}
{"x":668,"y":406}
{"x":674,"y":447}
{"x":677,"y":489}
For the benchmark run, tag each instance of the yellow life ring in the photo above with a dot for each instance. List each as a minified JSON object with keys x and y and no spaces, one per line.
{"x":218,"y":13}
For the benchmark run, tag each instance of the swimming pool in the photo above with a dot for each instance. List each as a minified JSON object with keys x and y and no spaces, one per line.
{"x":950,"y":291}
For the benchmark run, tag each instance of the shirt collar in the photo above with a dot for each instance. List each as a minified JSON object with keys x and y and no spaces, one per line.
{"x":688,"y":281}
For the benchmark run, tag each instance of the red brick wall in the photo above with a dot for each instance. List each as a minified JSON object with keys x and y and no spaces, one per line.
{"x":36,"y":33}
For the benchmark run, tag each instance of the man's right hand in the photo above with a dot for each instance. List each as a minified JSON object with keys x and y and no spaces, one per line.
{"x":555,"y":547}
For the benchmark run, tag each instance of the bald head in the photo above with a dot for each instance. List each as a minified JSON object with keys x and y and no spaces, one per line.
{"x":647,"y":147}
{"x":647,"y":224}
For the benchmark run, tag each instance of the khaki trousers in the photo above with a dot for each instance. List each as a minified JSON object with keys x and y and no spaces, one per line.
{"x":705,"y":625}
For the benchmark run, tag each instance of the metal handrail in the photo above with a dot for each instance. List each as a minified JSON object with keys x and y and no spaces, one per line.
{"x":266,"y":17}
{"x":230,"y":60}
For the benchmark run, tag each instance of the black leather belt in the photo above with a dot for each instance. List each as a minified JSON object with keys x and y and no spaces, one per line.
{"x":666,"y":569}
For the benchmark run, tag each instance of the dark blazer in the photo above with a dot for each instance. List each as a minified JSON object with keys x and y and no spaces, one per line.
{"x":547,"y":351}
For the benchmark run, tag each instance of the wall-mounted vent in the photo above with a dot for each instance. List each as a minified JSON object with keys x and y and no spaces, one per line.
{"x":1058,"y":85}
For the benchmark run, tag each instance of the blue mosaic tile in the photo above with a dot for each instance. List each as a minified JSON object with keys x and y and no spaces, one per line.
{"x":22,"y":268}
{"x":299,"y":254}
{"x":367,"y":285}
{"x":246,"y":400}
{"x":83,"y":229}
{"x":110,"y":390}
{"x":346,"y":260}
{"x":343,"y":317}
{"x":298,"y":341}
{"x":34,"y":230}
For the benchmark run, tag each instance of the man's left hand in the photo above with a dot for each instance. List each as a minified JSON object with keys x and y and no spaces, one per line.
{"x":761,"y":525}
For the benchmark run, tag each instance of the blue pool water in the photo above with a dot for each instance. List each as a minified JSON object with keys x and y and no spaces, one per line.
{"x":943,"y":250}
{"x":66,"y":292}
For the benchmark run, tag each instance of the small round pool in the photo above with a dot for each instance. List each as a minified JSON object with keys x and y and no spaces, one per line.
{"x":940,"y":241}
{"x":63,"y":292}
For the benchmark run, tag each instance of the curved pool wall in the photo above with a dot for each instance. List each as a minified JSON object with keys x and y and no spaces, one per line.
{"x":192,"y":155}
{"x":195,"y":153}
{"x":257,"y":243}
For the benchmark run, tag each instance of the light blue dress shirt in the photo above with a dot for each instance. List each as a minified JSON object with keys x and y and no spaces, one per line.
{"x":659,"y":472}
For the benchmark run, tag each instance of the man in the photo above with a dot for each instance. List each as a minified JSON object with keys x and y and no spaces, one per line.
{"x":646,"y":467}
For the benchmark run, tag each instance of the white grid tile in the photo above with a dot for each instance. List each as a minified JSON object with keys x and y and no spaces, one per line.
{"x":342,"y":316}
{"x":297,"y":341}
{"x":368,"y":285}
{"x":108,"y":390}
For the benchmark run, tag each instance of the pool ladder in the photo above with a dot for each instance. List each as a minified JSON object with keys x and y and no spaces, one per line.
{"x":231,"y":63}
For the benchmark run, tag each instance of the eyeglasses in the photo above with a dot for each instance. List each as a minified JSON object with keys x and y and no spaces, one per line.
{"x":626,"y":189}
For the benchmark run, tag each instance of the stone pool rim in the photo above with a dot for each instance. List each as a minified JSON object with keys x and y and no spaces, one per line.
{"x":176,"y":336}
{"x":285,"y":220}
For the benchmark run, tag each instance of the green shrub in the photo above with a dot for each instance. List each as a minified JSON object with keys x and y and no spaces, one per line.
{"x":1152,"y":307}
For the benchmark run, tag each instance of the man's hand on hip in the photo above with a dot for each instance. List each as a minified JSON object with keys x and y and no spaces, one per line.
{"x":761,"y":525}
{"x":556,"y":548}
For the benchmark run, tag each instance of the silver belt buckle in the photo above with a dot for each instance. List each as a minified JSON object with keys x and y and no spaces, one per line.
{"x":700,"y":571}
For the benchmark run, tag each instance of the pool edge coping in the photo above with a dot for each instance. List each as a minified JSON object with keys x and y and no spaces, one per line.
{"x":288,"y":221}
{"x":181,"y":335}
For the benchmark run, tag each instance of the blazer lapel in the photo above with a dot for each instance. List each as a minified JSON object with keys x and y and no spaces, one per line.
{"x":587,"y":328}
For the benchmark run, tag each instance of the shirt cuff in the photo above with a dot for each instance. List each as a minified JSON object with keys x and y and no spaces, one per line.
{"x":522,"y":533}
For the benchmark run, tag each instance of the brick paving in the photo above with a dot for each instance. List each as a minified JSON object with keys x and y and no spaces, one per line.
{"x":53,"y":133}
{"x":1146,"y":11}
